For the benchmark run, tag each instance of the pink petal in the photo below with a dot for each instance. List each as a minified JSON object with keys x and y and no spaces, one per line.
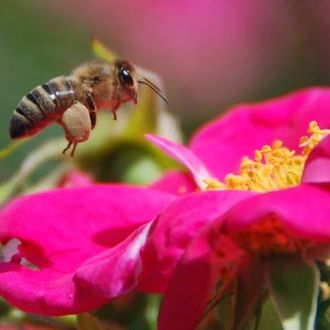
{"x":194,"y":279}
{"x":178,"y":183}
{"x":46,"y":291}
{"x":115,"y":271}
{"x":183,"y":156}
{"x":174,"y":230}
{"x":317,"y":167}
{"x":62,"y":229}
{"x":189,"y":290}
{"x":222,"y":143}
{"x":304,"y":210}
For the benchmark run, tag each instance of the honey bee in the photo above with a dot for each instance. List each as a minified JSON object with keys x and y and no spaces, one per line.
{"x":72,"y":101}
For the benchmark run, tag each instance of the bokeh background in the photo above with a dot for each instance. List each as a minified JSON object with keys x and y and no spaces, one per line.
{"x":210,"y":53}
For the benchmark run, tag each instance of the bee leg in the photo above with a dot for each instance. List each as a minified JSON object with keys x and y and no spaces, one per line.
{"x":77,"y":125}
{"x":92,"y":115}
{"x":114,"y":115}
{"x":73,"y":150}
{"x":114,"y":109}
{"x":67,"y":148}
{"x":92,"y":109}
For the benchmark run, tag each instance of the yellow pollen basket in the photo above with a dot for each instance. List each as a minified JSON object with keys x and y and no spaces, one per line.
{"x":274,"y":167}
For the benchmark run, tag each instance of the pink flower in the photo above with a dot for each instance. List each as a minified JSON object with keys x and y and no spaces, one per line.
{"x":246,"y":231}
{"x":59,"y":231}
{"x":87,"y":245}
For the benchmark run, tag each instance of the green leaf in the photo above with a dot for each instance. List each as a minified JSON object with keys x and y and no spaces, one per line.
{"x":269,"y":319}
{"x":293,"y":284}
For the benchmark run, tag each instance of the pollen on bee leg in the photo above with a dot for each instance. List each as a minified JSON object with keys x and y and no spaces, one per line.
{"x":77,"y":125}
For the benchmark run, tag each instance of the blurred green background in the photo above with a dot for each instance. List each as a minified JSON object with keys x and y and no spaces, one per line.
{"x":34,"y":47}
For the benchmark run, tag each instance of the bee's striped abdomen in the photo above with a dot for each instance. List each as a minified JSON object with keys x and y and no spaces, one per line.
{"x":40,"y":107}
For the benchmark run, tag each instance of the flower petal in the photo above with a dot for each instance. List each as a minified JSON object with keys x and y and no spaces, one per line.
{"x":304,"y":211}
{"x":317,"y":166}
{"x":174,"y":230}
{"x":194,"y":279}
{"x":178,"y":183}
{"x":115,"y":271}
{"x":189,"y":289}
{"x":46,"y":291}
{"x":222,"y":143}
{"x":59,"y":230}
{"x":183,"y":156}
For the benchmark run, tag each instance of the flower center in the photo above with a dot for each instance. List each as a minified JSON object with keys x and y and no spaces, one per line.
{"x":274,"y":167}
{"x":268,"y":237}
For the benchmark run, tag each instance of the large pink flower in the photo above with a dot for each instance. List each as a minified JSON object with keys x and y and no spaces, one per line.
{"x":61,"y":230}
{"x":247,"y":233}
{"x":91,"y":244}
{"x":215,"y":150}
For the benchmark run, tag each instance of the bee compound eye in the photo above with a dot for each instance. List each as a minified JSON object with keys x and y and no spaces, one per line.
{"x":126,"y":76}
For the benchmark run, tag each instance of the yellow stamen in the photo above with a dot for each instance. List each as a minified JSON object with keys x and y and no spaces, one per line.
{"x":317,"y":134}
{"x":213,"y":184}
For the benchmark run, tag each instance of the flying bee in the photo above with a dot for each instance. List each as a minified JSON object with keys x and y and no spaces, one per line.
{"x":72,"y":101}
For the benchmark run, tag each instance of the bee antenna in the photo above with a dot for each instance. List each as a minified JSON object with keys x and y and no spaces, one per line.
{"x":151,"y":84}
{"x":155,"y":88}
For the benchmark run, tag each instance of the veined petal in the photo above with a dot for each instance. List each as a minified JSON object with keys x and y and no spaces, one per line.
{"x":184,"y":156}
{"x":61,"y":229}
{"x":304,"y":211}
{"x":222,"y":143}
{"x":175,"y":229}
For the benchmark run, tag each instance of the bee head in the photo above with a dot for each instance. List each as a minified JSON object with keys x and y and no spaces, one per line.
{"x":127,"y":79}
